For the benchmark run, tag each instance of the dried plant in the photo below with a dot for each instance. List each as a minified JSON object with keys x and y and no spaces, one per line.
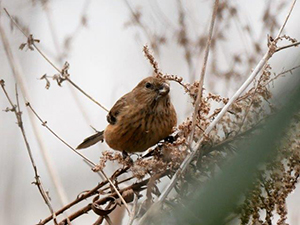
{"x":205,"y":142}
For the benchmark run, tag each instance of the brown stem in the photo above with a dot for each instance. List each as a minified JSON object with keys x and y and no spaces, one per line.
{"x":206,"y":54}
{"x":88,"y":194}
{"x":17,"y":111}
{"x":137,"y":187}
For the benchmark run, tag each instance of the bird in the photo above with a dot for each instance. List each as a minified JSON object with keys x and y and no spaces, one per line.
{"x":139,"y":119}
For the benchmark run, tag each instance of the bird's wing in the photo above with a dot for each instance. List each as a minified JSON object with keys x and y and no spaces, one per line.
{"x":112,"y":116}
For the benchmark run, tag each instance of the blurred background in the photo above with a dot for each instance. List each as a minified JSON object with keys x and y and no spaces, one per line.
{"x":103,"y":41}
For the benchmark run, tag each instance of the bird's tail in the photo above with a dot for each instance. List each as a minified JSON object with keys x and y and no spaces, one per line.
{"x":91,"y":140}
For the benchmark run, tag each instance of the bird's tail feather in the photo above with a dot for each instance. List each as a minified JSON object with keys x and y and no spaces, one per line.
{"x":91,"y":140}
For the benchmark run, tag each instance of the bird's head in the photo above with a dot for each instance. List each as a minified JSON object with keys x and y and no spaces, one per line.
{"x":152,"y":89}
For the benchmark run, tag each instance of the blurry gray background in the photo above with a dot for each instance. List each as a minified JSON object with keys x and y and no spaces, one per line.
{"x":106,"y":60}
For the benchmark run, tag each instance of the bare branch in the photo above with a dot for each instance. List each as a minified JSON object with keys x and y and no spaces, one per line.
{"x":18,"y":75}
{"x":38,"y":182}
{"x":206,"y":54}
{"x":44,"y":123}
{"x":288,"y":46}
{"x":52,"y":64}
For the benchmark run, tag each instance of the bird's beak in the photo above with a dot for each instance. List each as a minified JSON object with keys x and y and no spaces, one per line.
{"x":164,"y":89}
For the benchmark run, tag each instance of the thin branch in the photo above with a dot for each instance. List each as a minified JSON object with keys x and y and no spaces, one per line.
{"x":38,"y":182}
{"x":206,"y":54}
{"x":286,"y":19}
{"x":136,"y":187}
{"x":88,"y":96}
{"x":90,"y":193}
{"x":18,"y":75}
{"x":52,"y":64}
{"x":44,"y":123}
{"x":288,"y":46}
{"x":282,"y":73}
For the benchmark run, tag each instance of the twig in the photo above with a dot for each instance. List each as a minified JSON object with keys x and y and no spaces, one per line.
{"x":282,"y":73}
{"x":18,"y":75}
{"x":44,"y":123}
{"x":38,"y":182}
{"x":288,"y":46}
{"x":188,"y":159}
{"x":88,"y":96}
{"x":286,"y":19}
{"x":136,"y":187}
{"x":88,"y":194}
{"x":206,"y":54}
{"x":52,"y":64}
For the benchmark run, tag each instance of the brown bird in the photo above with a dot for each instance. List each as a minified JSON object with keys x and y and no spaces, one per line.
{"x":139,"y":119}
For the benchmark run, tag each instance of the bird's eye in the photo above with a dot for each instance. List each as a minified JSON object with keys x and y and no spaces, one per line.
{"x":148,"y":85}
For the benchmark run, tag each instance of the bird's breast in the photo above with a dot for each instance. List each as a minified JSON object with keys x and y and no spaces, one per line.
{"x":139,"y":128}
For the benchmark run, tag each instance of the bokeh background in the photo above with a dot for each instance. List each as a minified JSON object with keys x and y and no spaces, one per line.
{"x":103,"y":44}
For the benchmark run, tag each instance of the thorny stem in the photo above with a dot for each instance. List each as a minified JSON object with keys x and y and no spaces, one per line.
{"x":206,"y":54}
{"x":17,"y":111}
{"x":52,"y":64}
{"x":44,"y":123}
{"x":197,"y":145}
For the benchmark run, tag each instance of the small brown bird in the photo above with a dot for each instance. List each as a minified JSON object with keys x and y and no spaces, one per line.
{"x":139,"y":119}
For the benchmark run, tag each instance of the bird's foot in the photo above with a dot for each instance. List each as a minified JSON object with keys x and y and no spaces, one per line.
{"x":170,"y":139}
{"x":126,"y":157}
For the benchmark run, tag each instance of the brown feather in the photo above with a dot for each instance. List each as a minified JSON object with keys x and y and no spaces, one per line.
{"x":91,"y":140}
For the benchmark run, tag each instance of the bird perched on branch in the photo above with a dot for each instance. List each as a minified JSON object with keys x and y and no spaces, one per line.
{"x":139,"y":119}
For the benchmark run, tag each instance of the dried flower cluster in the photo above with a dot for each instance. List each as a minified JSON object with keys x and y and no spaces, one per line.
{"x":275,"y":182}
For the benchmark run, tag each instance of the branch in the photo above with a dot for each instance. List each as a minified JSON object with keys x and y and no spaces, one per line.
{"x":137,"y":187}
{"x":88,"y":194}
{"x":18,"y":75}
{"x":32,"y":43}
{"x":206,"y":54}
{"x":288,"y":46}
{"x":44,"y":123}
{"x":38,"y":182}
